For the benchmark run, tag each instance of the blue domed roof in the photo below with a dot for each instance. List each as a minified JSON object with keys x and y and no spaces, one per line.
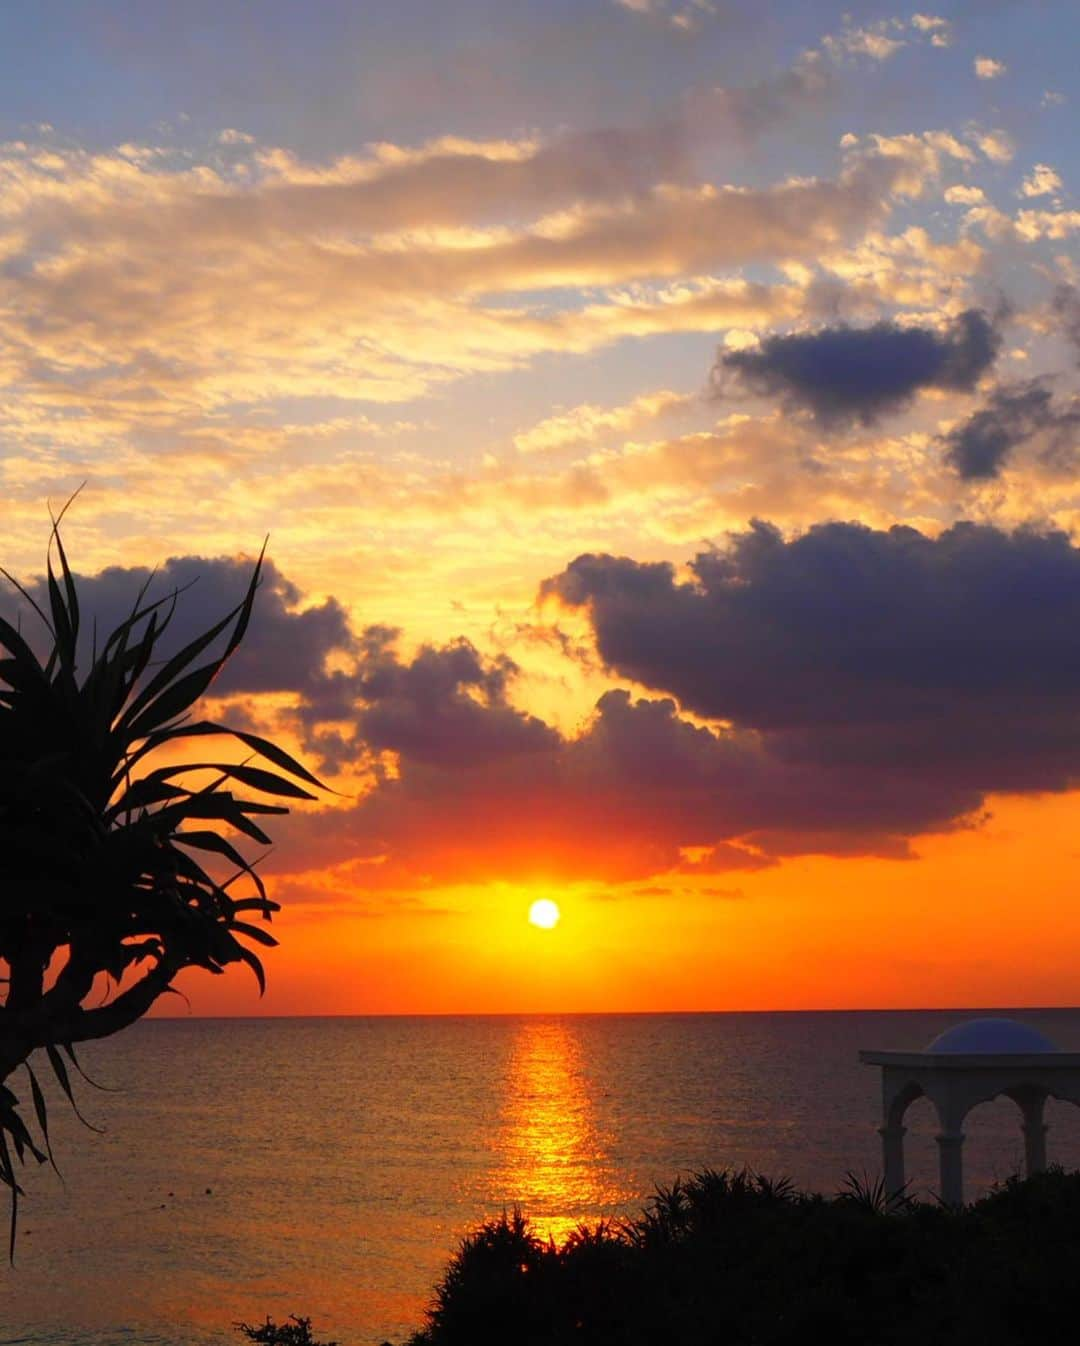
{"x":993,"y":1036}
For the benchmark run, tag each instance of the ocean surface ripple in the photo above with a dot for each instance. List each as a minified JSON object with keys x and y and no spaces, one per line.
{"x":328,"y":1167}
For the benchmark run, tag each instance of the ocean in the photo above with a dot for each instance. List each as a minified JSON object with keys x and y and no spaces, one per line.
{"x":328,"y":1167}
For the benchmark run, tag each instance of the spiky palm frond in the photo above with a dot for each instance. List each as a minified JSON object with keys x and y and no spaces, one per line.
{"x":113,"y":861}
{"x":869,"y":1192}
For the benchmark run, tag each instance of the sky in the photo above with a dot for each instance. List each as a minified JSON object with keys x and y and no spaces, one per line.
{"x":665,"y":415}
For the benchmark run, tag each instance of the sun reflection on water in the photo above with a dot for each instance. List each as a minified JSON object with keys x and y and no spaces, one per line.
{"x":553,"y":1161}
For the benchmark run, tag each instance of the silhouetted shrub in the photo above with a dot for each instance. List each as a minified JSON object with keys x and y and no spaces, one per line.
{"x":295,"y":1332}
{"x":730,"y":1259}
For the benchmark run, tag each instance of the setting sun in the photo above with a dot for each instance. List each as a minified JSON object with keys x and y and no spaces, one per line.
{"x":544,"y":913}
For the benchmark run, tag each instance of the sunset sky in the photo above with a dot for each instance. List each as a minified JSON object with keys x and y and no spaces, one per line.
{"x":666,"y":419}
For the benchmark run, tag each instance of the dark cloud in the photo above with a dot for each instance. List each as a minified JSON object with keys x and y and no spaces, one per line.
{"x":843,"y":375}
{"x":624,"y":800}
{"x":286,"y":646}
{"x":1066,"y":307}
{"x":864,"y":688}
{"x":877,"y":685}
{"x":447,"y":706}
{"x":950,"y":665}
{"x":979,"y":447}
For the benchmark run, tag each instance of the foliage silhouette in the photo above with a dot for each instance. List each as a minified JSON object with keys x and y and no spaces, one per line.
{"x":117,"y":867}
{"x":295,"y":1332}
{"x":870,"y":1192}
{"x":729,"y":1259}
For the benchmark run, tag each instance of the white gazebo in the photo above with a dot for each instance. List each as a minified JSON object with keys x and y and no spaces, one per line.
{"x":963,"y":1067}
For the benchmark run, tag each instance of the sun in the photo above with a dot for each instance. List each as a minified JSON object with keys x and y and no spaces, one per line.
{"x":544,"y":913}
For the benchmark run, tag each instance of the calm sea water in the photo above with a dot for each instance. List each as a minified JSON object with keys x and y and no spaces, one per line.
{"x":328,"y":1166}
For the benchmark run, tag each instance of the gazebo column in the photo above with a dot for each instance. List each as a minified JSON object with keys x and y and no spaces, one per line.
{"x":950,"y":1158}
{"x":1034,"y":1129}
{"x":962,"y":1068}
{"x":892,"y":1155}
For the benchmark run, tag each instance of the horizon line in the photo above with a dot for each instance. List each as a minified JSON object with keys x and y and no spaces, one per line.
{"x":612,"y":1014}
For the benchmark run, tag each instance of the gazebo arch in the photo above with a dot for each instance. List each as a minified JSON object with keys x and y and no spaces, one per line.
{"x":963,"y":1067}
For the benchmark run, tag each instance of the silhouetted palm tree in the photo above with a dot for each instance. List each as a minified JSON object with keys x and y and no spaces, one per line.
{"x":113,"y":852}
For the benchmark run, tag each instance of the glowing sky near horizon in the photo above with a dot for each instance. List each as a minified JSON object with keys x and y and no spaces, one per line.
{"x":665,"y":414}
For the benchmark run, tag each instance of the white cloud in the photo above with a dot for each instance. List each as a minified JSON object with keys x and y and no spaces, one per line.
{"x":882,"y":40}
{"x":1041,"y":181}
{"x":686,"y":18}
{"x":939,"y":30}
{"x":873,"y":41}
{"x":965,"y":196}
{"x":177,"y":290}
{"x":994,"y":223}
{"x":1032,"y":225}
{"x":987,"y":68}
{"x":996,"y":145}
{"x":588,"y":424}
